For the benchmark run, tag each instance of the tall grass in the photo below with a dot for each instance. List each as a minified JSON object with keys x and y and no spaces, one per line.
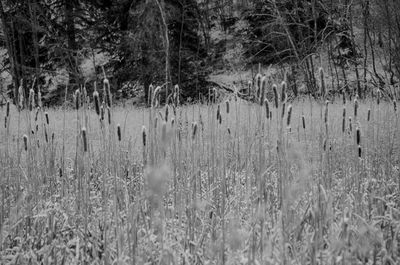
{"x":231,"y":183}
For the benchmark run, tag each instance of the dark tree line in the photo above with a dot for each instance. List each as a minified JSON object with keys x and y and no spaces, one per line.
{"x":168,"y":42}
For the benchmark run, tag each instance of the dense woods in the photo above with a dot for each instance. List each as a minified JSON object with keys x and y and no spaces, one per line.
{"x":181,"y":42}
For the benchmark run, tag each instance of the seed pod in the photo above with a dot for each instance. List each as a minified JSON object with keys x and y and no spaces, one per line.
{"x":8,"y":108}
{"x":258,"y":83}
{"x":218,"y":113}
{"x":263,"y":87}
{"x":355,"y":107}
{"x":96,"y":99}
{"x":283,"y":109}
{"x":144,"y":135}
{"x":283,"y":92}
{"x":358,"y":138}
{"x":119,"y":132}
{"x":344,"y":97}
{"x":344,"y":120}
{"x":227,"y":106}
{"x":166,"y":112}
{"x":164,"y":132}
{"x":350,"y":125}
{"x":322,"y":80}
{"x":31,"y":99}
{"x":326,"y":112}
{"x":5,"y":122}
{"x":37,"y":113}
{"x":107,"y":92}
{"x":324,"y":144}
{"x":289,"y":115}
{"x":109,"y":115}
{"x":45,"y":135}
{"x":46,"y":115}
{"x":359,"y":151}
{"x":84,"y":138}
{"x":102,"y":112}
{"x":304,"y":122}
{"x":25,"y":142}
{"x":194,"y":126}
{"x":369,"y":115}
{"x":394,"y":105}
{"x":276,"y":98}
{"x":77,"y":97}
{"x":378,"y":97}
{"x":267,"y":111}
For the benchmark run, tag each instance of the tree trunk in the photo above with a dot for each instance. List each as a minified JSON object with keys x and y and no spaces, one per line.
{"x":10,"y":52}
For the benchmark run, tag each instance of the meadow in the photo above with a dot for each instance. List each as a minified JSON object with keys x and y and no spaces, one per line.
{"x":276,"y":181}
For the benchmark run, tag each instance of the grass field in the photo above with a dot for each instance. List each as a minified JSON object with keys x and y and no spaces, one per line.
{"x":222,"y":183}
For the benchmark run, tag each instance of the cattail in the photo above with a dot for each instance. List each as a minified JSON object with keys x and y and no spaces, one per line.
{"x":21,"y":96}
{"x":326,"y":112}
{"x":263,"y":87}
{"x":344,"y":97}
{"x":46,"y":137}
{"x":394,"y":105}
{"x":37,"y":113}
{"x":84,"y":138}
{"x":166,"y":112}
{"x":144,"y":135}
{"x":106,"y":91}
{"x":270,"y":115}
{"x":350,"y":125}
{"x":96,"y":99}
{"x":172,"y":122}
{"x":5,"y":122}
{"x":258,"y":83}
{"x":25,"y":142}
{"x":267,"y":111}
{"x":358,"y":136}
{"x":227,"y":106}
{"x":276,"y":98}
{"x":324,"y":144}
{"x":46,"y":115}
{"x":359,"y":151}
{"x":119,"y":132}
{"x":355,"y":107}
{"x":52,"y":137}
{"x":164,"y":132}
{"x":344,"y":120}
{"x":218,"y":113}
{"x":194,"y":126}
{"x":304,"y":122}
{"x":378,"y":97}
{"x":31,"y":99}
{"x":369,"y":115}
{"x":322,"y":80}
{"x":77,"y":99}
{"x":283,"y":109}
{"x":155,"y":94}
{"x":283,"y":92}
{"x":109,"y":115}
{"x":289,"y":115}
{"x":40,"y":98}
{"x":8,"y":108}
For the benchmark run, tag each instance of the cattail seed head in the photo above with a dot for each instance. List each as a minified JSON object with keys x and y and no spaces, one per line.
{"x":164,"y":132}
{"x":31,"y":99}
{"x":96,"y":99}
{"x":344,"y":120}
{"x":144,"y":135}
{"x":326,"y":112}
{"x":289,"y":115}
{"x":218,"y":113}
{"x":194,"y":126}
{"x":276,"y":98}
{"x":378,"y":97}
{"x":84,"y":138}
{"x":46,"y":137}
{"x":102,"y":112}
{"x":358,"y":136}
{"x":355,"y":107}
{"x":25,"y":142}
{"x":283,"y":109}
{"x":344,"y":97}
{"x":227,"y":106}
{"x":77,"y":97}
{"x":258,"y":83}
{"x":369,"y":115}
{"x":166,"y":113}
{"x":21,"y":96}
{"x":119,"y":132}
{"x":322,"y":80}
{"x":47,"y":117}
{"x":37,"y":113}
{"x":350,"y":125}
{"x":8,"y":108}
{"x":5,"y":122}
{"x":154,"y":102}
{"x":109,"y":115}
{"x":263,"y":88}
{"x":267,"y":108}
{"x":394,"y":105}
{"x":304,"y":122}
{"x":283,"y":91}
